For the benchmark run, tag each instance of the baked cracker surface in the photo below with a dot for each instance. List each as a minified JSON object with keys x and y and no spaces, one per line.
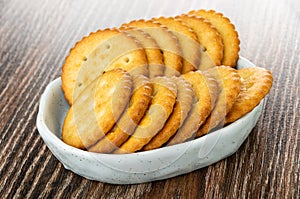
{"x":185,"y":96}
{"x":208,"y":37}
{"x":188,"y":42}
{"x":256,"y":84}
{"x":167,"y":42}
{"x":152,"y":50}
{"x":138,"y":105}
{"x":204,"y":87}
{"x":228,"y":33}
{"x":229,"y":84}
{"x":100,"y":51}
{"x":97,"y":109}
{"x":164,"y":98}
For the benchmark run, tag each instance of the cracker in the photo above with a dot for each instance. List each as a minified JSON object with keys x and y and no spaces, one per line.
{"x":188,"y":42}
{"x":185,"y":96}
{"x":167,"y":42}
{"x":164,"y":98}
{"x":229,"y":84}
{"x":138,"y":105}
{"x":205,"y":89}
{"x":97,"y":108}
{"x":100,"y":51}
{"x":208,"y":37}
{"x":152,"y":50}
{"x":228,"y":33}
{"x":256,"y":84}
{"x":69,"y":131}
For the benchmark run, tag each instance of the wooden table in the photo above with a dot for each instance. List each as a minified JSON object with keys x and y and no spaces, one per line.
{"x":35,"y":37}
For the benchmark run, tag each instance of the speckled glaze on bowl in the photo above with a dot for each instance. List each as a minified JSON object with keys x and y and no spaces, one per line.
{"x":143,"y":166}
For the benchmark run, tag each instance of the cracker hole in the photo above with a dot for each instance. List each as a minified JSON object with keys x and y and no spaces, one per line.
{"x":84,"y":58}
{"x":126,"y":60}
{"x":79,"y":84}
{"x":108,"y":46}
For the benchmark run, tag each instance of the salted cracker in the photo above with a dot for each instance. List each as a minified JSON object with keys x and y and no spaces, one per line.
{"x":166,"y":41}
{"x":228,"y":33}
{"x":183,"y":105}
{"x":164,"y":98}
{"x":205,"y":89}
{"x":229,"y":84}
{"x":188,"y":42}
{"x":209,"y":38}
{"x":97,"y":108}
{"x":138,"y":105}
{"x":100,"y":51}
{"x":256,"y":84}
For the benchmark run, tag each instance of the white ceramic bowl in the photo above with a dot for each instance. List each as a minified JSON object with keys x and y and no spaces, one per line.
{"x":143,"y":166}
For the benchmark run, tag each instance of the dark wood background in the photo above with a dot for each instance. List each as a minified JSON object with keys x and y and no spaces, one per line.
{"x":35,"y":37}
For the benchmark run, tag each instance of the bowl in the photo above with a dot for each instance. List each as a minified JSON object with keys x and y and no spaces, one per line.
{"x":145,"y":166}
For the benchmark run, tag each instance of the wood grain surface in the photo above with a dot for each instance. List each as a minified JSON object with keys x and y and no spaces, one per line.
{"x":35,"y":37}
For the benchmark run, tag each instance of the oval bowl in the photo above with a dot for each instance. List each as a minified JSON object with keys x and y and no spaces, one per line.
{"x":139,"y":167}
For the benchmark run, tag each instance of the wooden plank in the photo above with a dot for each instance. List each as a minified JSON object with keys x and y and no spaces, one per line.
{"x":35,"y":37}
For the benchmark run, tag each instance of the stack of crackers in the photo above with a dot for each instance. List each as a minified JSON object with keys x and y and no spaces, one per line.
{"x":155,"y":83}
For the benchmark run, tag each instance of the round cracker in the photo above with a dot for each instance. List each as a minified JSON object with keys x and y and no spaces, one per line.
{"x":229,"y":84}
{"x":94,"y":53}
{"x":97,"y":108}
{"x":208,"y":37}
{"x":188,"y":42}
{"x":138,"y":105}
{"x":167,"y":42}
{"x":152,"y":50}
{"x":69,"y":131}
{"x":164,"y":98}
{"x":205,"y":89}
{"x":185,"y":96}
{"x":228,"y":33}
{"x":256,"y":84}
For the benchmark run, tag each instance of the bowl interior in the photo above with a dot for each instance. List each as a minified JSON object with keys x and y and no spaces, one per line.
{"x":55,"y":107}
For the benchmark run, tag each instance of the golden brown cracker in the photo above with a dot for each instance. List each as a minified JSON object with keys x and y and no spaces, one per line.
{"x":138,"y":105}
{"x":229,"y":84}
{"x":185,"y":96}
{"x":101,"y":50}
{"x":188,"y":42}
{"x":189,"y":127}
{"x":205,"y":89}
{"x":167,"y":42}
{"x":256,"y":84}
{"x":97,"y":108}
{"x":228,"y":33}
{"x":208,"y":37}
{"x":164,"y":98}
{"x":69,"y":131}
{"x":152,"y":50}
